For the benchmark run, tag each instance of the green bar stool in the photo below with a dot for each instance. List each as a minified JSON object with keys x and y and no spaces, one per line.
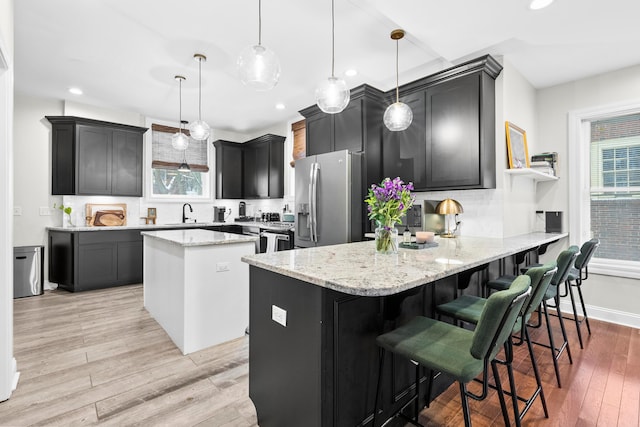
{"x":564,"y":262}
{"x":458,"y":352}
{"x":577,"y":274}
{"x":468,"y":308}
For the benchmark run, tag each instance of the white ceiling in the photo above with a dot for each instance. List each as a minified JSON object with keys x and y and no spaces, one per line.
{"x":124,"y":53}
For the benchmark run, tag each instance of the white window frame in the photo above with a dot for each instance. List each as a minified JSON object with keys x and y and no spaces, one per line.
{"x":207,"y":197}
{"x":580,"y":184}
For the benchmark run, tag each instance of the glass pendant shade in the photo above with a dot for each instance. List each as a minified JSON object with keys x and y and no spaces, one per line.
{"x":199,"y":129}
{"x":332,"y":95}
{"x":258,"y":68}
{"x":179,"y":141}
{"x":398,"y":116}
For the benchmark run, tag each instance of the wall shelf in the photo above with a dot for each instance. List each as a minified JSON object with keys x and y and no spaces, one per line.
{"x":531,"y":174}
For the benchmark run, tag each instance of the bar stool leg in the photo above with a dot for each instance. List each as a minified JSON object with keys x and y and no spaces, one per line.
{"x":503,"y":404}
{"x":576,"y":319}
{"x":584,"y":309}
{"x":564,"y":331}
{"x":552,"y":345}
{"x":534,"y":363}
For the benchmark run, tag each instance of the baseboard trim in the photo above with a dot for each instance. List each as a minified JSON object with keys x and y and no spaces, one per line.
{"x":605,"y":314}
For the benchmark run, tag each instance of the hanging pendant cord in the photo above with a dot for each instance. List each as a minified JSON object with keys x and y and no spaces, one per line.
{"x":180,"y":103}
{"x":397,"y":72}
{"x":333,"y":37}
{"x":259,"y":22}
{"x":199,"y":89}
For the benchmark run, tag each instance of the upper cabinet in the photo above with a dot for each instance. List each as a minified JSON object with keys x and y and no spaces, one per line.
{"x":92,"y":157}
{"x":451,"y":141}
{"x":252,"y":170}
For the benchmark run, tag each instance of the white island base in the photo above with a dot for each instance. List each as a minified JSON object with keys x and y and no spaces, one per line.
{"x":195,"y":285}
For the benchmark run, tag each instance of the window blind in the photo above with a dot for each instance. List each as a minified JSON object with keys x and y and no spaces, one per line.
{"x":164,"y":156}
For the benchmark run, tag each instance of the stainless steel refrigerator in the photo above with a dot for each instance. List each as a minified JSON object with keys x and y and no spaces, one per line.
{"x":329,"y":201}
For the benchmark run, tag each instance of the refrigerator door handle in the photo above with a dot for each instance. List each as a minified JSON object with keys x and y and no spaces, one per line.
{"x":314,"y":207}
{"x":310,"y":200}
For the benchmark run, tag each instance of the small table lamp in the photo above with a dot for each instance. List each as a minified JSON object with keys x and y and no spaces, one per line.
{"x":449,"y":207}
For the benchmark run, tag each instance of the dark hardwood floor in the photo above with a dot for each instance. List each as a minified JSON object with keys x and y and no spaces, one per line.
{"x":99,"y":358}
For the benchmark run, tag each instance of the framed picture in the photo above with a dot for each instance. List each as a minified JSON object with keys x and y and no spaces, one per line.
{"x":517,"y":146}
{"x":151,"y":212}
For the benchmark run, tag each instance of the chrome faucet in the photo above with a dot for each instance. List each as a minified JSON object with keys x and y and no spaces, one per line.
{"x":184,"y":215}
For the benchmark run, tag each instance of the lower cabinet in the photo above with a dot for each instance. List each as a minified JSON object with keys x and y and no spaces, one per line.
{"x":85,"y":260}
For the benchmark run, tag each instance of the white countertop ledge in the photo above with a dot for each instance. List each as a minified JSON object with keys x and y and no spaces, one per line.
{"x":355,"y":268}
{"x":198,"y":237}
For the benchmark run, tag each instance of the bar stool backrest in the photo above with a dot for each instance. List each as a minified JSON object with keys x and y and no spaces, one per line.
{"x":540,"y":280}
{"x":498,"y":318}
{"x":564,"y":261}
{"x":586,"y":252}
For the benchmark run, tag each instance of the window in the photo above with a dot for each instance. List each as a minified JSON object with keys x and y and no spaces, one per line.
{"x":606,"y":166}
{"x":166,"y":180}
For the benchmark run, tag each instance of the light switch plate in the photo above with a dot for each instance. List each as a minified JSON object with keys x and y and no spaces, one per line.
{"x":279,"y":315}
{"x":222,"y":266}
{"x":17,"y":210}
{"x":45,"y":211}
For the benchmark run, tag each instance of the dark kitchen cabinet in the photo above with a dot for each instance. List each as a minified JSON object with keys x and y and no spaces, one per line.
{"x":404,"y":152}
{"x":460,"y":126}
{"x":347,"y":130}
{"x":252,"y":170}
{"x":92,"y":157}
{"x":86,"y":260}
{"x":229,"y":158}
{"x":451,"y":141}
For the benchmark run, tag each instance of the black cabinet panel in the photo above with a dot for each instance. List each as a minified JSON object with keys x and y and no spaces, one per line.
{"x":404,"y":152}
{"x":251,"y":170}
{"x":229,"y":162}
{"x":92,"y":157}
{"x":453,"y":133}
{"x":130,"y":258}
{"x":61,"y":253}
{"x":348,"y":128}
{"x":97,"y":264}
{"x":126,"y":179}
{"x":319,"y":134}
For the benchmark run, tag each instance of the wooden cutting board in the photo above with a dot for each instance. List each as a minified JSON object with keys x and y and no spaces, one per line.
{"x":103,"y":215}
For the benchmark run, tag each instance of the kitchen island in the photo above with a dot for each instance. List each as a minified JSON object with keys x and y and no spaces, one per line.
{"x":315,"y":314}
{"x":195,"y":285}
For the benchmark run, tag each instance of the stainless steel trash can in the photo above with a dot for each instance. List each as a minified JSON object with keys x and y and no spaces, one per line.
{"x":28,"y":275}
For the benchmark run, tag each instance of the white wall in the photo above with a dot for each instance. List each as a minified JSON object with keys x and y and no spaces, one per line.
{"x":609,"y":298}
{"x":8,"y":370}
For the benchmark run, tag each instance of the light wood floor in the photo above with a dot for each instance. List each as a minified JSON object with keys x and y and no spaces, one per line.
{"x":98,"y":358}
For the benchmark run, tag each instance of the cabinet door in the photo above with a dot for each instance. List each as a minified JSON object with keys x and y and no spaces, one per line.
{"x":228,"y":171}
{"x":276,"y":170}
{"x":319,"y":134}
{"x":348,"y":128}
{"x":63,"y":177}
{"x":94,"y":160}
{"x":61,"y":258}
{"x":404,"y":152}
{"x":126,"y":173}
{"x":97,"y":265}
{"x":130,"y":261}
{"x":261,"y":172}
{"x":453,"y":133}
{"x":249,"y":165}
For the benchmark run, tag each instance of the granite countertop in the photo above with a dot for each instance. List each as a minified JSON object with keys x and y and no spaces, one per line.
{"x":262,"y":225}
{"x":198,"y":237}
{"x":356,"y":269}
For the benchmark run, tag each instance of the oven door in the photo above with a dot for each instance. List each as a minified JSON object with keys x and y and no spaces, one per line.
{"x":255,"y":231}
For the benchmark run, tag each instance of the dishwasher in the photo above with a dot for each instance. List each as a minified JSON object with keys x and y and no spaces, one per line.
{"x":28,"y":275}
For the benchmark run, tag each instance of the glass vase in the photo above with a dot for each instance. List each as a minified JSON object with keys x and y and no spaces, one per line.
{"x":386,"y":239}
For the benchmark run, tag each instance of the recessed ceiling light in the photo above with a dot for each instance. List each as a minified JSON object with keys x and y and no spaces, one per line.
{"x":75,"y":90}
{"x":280,"y":106}
{"x":351,"y":73}
{"x":539,"y":4}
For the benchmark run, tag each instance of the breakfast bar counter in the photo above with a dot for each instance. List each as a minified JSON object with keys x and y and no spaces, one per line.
{"x":315,"y":314}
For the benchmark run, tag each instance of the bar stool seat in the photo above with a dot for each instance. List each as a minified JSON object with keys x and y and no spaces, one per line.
{"x":460,"y":353}
{"x":469,"y":308}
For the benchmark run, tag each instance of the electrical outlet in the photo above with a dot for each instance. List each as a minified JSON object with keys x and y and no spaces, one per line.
{"x":45,"y":211}
{"x":17,"y":210}
{"x":222,"y":266}
{"x":279,"y":315}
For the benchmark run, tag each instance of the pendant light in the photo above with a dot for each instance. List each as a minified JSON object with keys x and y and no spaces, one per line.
{"x":257,"y":65}
{"x":332,"y":95}
{"x":184,"y":167}
{"x":179,"y":140}
{"x":398,"y":115}
{"x":199,"y":129}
